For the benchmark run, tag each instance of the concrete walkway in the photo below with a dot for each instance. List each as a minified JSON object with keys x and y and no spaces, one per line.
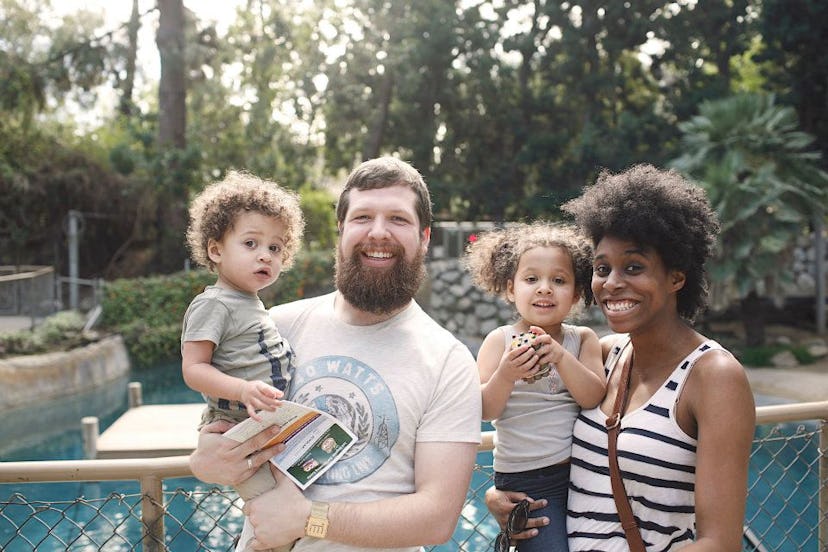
{"x":802,"y":384}
{"x":15,"y":323}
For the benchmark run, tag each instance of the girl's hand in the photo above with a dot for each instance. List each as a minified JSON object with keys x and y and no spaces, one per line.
{"x":548,"y":350}
{"x":257,"y":395}
{"x":519,"y":363}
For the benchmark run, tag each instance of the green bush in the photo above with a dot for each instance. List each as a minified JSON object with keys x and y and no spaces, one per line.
{"x":148,"y":311}
{"x":320,"y":218}
{"x":60,"y":331}
{"x":761,"y":356}
{"x":148,"y":344}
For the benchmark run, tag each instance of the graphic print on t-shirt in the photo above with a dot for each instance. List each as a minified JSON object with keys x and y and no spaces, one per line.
{"x":357,"y":396}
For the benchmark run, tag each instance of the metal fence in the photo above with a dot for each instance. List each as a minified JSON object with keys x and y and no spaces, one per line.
{"x":787,"y":508}
{"x":27,"y":291}
{"x":31,"y":293}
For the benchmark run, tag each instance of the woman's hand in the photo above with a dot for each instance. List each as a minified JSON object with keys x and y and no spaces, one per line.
{"x":223,"y":461}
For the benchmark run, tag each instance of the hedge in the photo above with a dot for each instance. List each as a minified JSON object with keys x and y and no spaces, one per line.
{"x":148,"y":311}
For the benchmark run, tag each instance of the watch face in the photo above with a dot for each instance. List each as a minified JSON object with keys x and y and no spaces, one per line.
{"x":317,"y":528}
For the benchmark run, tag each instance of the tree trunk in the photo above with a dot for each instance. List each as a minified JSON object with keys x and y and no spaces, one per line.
{"x":172,"y":125}
{"x":373,"y":142}
{"x":753,"y":320}
{"x":172,"y":93}
{"x":126,"y":104}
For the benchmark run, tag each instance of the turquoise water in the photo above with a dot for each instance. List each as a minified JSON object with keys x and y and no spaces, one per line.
{"x":788,"y":485}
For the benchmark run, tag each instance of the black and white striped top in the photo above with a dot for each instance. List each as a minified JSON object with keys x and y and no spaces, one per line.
{"x":658,"y":465}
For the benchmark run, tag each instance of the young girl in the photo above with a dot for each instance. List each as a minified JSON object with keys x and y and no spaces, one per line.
{"x":543,"y":270}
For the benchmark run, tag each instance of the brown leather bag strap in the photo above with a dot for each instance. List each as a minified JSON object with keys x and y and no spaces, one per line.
{"x":613,"y":423}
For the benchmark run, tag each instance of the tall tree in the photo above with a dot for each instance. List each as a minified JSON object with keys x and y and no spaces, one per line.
{"x":172,"y":177}
{"x":764,"y":181}
{"x":172,"y":88}
{"x":125,"y":106}
{"x":550,"y":92}
{"x":794,"y":34}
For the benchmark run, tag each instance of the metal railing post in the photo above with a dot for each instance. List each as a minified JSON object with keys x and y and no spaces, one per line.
{"x":75,"y":219}
{"x":823,"y":486}
{"x":819,"y":259}
{"x":152,"y":513}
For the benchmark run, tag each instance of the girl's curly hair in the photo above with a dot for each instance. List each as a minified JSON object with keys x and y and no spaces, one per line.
{"x":658,"y":209}
{"x":214,"y":211}
{"x":493,"y":258}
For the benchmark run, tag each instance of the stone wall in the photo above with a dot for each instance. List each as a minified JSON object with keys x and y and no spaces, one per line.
{"x":456,"y":304}
{"x":804,"y":268}
{"x":28,"y":380}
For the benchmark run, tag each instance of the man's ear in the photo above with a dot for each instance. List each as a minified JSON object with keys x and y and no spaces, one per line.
{"x":214,"y":250}
{"x":426,"y":238}
{"x":678,"y":278}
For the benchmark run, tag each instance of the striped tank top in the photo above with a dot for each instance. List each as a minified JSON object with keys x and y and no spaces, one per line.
{"x":658,"y":464}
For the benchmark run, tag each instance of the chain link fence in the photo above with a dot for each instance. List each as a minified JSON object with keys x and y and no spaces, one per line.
{"x":27,"y":291}
{"x":786,"y":489}
{"x":785,"y":509}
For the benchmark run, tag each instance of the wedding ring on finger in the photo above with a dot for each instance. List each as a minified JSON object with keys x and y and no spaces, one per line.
{"x":249,"y":463}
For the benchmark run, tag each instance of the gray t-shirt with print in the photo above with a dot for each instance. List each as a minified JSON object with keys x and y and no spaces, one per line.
{"x":247,"y":343}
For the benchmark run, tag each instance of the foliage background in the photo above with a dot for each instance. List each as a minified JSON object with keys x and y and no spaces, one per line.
{"x":507,"y":107}
{"x":148,"y":311}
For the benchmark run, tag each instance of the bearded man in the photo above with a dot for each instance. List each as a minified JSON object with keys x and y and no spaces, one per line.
{"x":369,"y":355}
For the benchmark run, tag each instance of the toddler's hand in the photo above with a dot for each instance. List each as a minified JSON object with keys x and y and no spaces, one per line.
{"x":257,"y":395}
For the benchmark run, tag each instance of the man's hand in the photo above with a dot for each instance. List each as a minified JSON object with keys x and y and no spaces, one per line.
{"x":223,"y":461}
{"x":278,"y":517}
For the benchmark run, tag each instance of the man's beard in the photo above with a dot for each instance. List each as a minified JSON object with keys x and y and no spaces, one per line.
{"x":379,"y":291}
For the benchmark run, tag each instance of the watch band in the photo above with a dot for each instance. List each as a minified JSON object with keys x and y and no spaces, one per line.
{"x":317,"y":524}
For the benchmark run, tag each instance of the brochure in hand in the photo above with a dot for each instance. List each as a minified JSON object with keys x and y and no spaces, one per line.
{"x":314,"y":440}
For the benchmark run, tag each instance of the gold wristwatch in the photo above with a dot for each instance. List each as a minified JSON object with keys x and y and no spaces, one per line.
{"x":317,"y":524}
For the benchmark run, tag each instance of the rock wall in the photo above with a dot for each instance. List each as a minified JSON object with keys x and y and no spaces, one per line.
{"x":28,"y":380}
{"x":456,"y":304}
{"x":804,"y":268}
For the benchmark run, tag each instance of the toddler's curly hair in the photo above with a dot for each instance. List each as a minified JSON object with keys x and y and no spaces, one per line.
{"x":659,"y":209}
{"x":214,"y":211}
{"x":493,"y":258}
